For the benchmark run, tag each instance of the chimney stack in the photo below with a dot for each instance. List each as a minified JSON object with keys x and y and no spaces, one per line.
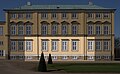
{"x":28,"y":3}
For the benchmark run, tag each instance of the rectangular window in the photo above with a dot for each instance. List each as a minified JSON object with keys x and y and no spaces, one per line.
{"x":90,"y":15}
{"x":74,"y":57}
{"x":98,"y":57}
{"x":28,"y":45}
{"x":64,"y":15}
{"x":44,"y":15}
{"x":54,"y":57}
{"x":21,"y":45}
{"x":2,"y":52}
{"x":106,"y":29}
{"x":98,"y":45}
{"x":90,"y":45}
{"x":44,"y":29}
{"x":1,"y":42}
{"x":13,"y":57}
{"x":90,"y":58}
{"x":13,"y":45}
{"x":64,"y":45}
{"x":106,"y":45}
{"x":64,"y":57}
{"x":28,"y":15}
{"x":98,"y":15}
{"x":64,"y":29}
{"x":54,"y":29}
{"x":29,"y":57}
{"x":98,"y":30}
{"x":74,"y":45}
{"x":54,"y":45}
{"x":74,"y":16}
{"x":13,"y":29}
{"x":28,"y":29}
{"x":54,"y":15}
{"x":44,"y":45}
{"x":13,"y":16}
{"x":20,"y":16}
{"x":74,"y":29}
{"x":20,"y":29}
{"x":90,"y":29}
{"x":106,"y":15}
{"x":1,"y":30}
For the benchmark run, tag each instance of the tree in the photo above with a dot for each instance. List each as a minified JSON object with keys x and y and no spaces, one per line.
{"x":117,"y":42}
{"x":42,"y":64}
{"x":50,"y":59}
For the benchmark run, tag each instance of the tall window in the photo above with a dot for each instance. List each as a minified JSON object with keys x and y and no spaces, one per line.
{"x":13,"y":45}
{"x":13,"y":16}
{"x":90,"y":29}
{"x":106,"y":29}
{"x":21,"y":45}
{"x":13,"y":30}
{"x":90,"y":45}
{"x":2,"y":53}
{"x":74,"y":45}
{"x":98,"y":30}
{"x":28,"y":45}
{"x":20,"y":16}
{"x":54,"y":15}
{"x":98,"y":15}
{"x":74,"y":16}
{"x":64,"y":29}
{"x":74,"y":29}
{"x":44,"y":29}
{"x":54,"y":45}
{"x":98,"y":45}
{"x":44,"y":45}
{"x":64,"y":15}
{"x":44,"y":15}
{"x":28,"y":29}
{"x":20,"y":29}
{"x":90,"y":15}
{"x":54,"y":29}
{"x":64,"y":45}
{"x":106,"y":45}
{"x":1,"y":30}
{"x":28,"y":15}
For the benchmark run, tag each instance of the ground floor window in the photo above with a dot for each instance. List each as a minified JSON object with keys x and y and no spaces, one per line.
{"x":90,"y":57}
{"x":2,"y":52}
{"x":54,"y":57}
{"x":74,"y":57}
{"x":64,"y":57}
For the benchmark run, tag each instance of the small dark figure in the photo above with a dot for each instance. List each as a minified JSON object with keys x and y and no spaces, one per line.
{"x":50,"y":59}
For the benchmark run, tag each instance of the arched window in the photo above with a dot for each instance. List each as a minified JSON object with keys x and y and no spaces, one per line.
{"x":44,"y":28}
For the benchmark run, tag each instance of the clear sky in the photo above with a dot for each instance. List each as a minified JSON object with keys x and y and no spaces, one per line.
{"x":103,"y":3}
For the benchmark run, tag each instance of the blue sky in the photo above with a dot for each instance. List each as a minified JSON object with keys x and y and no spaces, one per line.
{"x":103,"y":3}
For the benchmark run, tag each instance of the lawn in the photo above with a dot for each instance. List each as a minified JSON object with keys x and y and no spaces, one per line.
{"x":86,"y":67}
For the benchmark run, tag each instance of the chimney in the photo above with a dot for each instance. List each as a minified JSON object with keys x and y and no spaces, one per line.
{"x":28,"y":4}
{"x":90,"y":3}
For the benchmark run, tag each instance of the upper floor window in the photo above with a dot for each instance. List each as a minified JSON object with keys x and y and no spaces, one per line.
{"x":54,"y":15}
{"x":90,"y":15}
{"x":64,"y":29}
{"x":20,"y":29}
{"x":28,"y":15}
{"x":20,"y":16}
{"x":44,"y":15}
{"x":21,"y":45}
{"x":106,"y":29}
{"x":54,"y":29}
{"x":13,"y":45}
{"x":64,"y":15}
{"x":98,"y":30}
{"x":28,"y":29}
{"x":106,"y":15}
{"x":74,"y":16}
{"x":98,"y":45}
{"x":90,"y":29}
{"x":90,"y":45}
{"x":13,"y":29}
{"x":54,"y":45}
{"x":44,"y":29}
{"x":44,"y":45}
{"x":1,"y":30}
{"x":13,"y":16}
{"x":1,"y":42}
{"x":28,"y":45}
{"x":74,"y":29}
{"x":98,"y":15}
{"x":64,"y":45}
{"x":106,"y":45}
{"x":74,"y":45}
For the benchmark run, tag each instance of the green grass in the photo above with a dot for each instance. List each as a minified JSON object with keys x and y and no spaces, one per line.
{"x":86,"y":67}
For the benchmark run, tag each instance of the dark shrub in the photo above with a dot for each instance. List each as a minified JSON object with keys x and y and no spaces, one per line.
{"x":50,"y":59}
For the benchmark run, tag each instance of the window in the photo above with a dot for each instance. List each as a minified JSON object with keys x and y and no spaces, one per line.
{"x":106,"y":45}
{"x":44,"y":15}
{"x":64,"y":57}
{"x":21,"y":45}
{"x":64,"y":15}
{"x":74,"y":45}
{"x":29,"y":57}
{"x":28,"y":29}
{"x":20,"y":29}
{"x":64,"y":29}
{"x":13,"y":45}
{"x":2,"y":52}
{"x":20,"y":16}
{"x":54,"y":15}
{"x":1,"y":42}
{"x":64,"y":45}
{"x":74,"y":29}
{"x":74,"y":16}
{"x":90,"y":15}
{"x":44,"y":45}
{"x":44,"y":29}
{"x":90,"y":29}
{"x":98,"y":57}
{"x":98,"y":45}
{"x":90,"y":58}
{"x":13,"y":16}
{"x":1,"y":30}
{"x":13,"y":30}
{"x":54,"y":57}
{"x":28,"y":45}
{"x":74,"y":57}
{"x":28,"y":15}
{"x":98,"y":30}
{"x":106,"y":57}
{"x":21,"y":57}
{"x":54,"y":29}
{"x":98,"y":15}
{"x":90,"y":45}
{"x":54,"y":45}
{"x":106,"y":29}
{"x":13,"y":57}
{"x":106,"y":15}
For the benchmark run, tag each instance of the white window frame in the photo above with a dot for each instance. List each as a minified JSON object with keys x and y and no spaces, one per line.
{"x":28,"y":29}
{"x":13,"y":16}
{"x":54,"y":29}
{"x":90,"y":45}
{"x":64,"y":15}
{"x":29,"y":57}
{"x":74,"y":29}
{"x":106,"y":15}
{"x":21,"y":45}
{"x":13,"y":57}
{"x":98,"y":29}
{"x":20,"y":16}
{"x":28,"y":15}
{"x":74,"y":15}
{"x":13,"y":45}
{"x":64,"y":29}
{"x":20,"y":29}
{"x":98,"y":15}
{"x":44,"y":46}
{"x":54,"y":45}
{"x":106,"y":45}
{"x":106,"y":29}
{"x":54,"y":15}
{"x":90,"y":57}
{"x":98,"y":45}
{"x":64,"y":45}
{"x":1,"y":30}
{"x":64,"y":57}
{"x":90,"y":29}
{"x":74,"y":57}
{"x":90,"y":15}
{"x":44,"y":15}
{"x":74,"y":45}
{"x":13,"y":29}
{"x":44,"y":29}
{"x":2,"y":53}
{"x":54,"y":57}
{"x":29,"y":46}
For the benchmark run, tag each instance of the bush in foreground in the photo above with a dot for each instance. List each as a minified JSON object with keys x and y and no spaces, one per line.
{"x":50,"y":59}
